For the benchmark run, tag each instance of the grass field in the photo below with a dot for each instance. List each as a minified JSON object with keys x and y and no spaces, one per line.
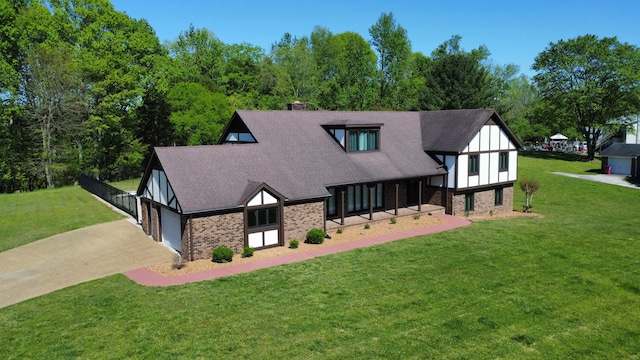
{"x":130,"y":185}
{"x":565,"y":286}
{"x":27,"y":217}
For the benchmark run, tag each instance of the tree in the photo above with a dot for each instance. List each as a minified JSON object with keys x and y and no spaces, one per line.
{"x":197,"y":114}
{"x":529,"y":187}
{"x":457,"y":79}
{"x":198,"y":56}
{"x":394,"y":49}
{"x":589,"y":84}
{"x":355,"y":72}
{"x":296,"y":70}
{"x":518,"y":105}
{"x":55,"y":102}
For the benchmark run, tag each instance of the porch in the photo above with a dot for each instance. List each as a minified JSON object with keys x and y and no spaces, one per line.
{"x":381,"y":215}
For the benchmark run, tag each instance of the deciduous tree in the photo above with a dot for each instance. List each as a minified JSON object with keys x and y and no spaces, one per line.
{"x":587,"y":83}
{"x":392,"y":44}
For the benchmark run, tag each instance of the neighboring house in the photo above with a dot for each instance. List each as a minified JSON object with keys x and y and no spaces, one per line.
{"x":621,"y":159}
{"x":277,"y":174}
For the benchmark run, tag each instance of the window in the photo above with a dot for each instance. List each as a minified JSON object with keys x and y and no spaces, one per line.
{"x":262,"y":217}
{"x":473,"y":164}
{"x":504,"y":161}
{"x":358,"y":197}
{"x":363,"y":140}
{"x":242,"y":137}
{"x":331,"y":202}
{"x":498,"y":197}
{"x":468,"y":202}
{"x":338,"y":134}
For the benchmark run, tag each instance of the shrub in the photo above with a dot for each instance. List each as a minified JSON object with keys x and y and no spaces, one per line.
{"x":340,"y":230}
{"x":222,"y":254}
{"x":315,"y":236}
{"x":529,"y":187}
{"x":416,"y":217}
{"x":247,"y":252}
{"x":367,"y":226}
{"x":177,"y":262}
{"x":293,"y":244}
{"x":393,"y":220}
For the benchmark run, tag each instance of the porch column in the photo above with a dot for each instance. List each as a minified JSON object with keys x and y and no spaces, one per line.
{"x":396,"y":212}
{"x":341,"y":207}
{"x":370,"y":202}
{"x":420,"y":195}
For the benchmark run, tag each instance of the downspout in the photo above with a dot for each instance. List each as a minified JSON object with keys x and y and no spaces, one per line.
{"x":324,"y":215}
{"x":446,"y":194}
{"x":191,"y":237}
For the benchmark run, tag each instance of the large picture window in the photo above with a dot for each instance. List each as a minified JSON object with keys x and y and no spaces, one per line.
{"x":331,"y":202}
{"x":358,"y":198}
{"x":262,"y":217}
{"x":363,"y":140}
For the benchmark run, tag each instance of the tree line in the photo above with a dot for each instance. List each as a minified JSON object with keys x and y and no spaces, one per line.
{"x":87,"y":89}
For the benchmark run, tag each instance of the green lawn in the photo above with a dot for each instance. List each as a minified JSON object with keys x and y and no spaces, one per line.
{"x":559,"y":287}
{"x":130,"y":185}
{"x":30,"y":216}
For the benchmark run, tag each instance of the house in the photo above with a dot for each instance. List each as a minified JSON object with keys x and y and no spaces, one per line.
{"x":621,"y":159}
{"x":276,"y":174}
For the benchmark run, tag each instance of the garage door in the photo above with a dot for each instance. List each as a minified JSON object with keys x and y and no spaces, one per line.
{"x":170,"y":224}
{"x":620,"y":165}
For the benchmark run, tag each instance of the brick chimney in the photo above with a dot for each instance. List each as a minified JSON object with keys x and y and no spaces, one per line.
{"x":296,"y":105}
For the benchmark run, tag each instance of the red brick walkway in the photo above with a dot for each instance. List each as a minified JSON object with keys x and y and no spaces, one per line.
{"x":147,"y":277}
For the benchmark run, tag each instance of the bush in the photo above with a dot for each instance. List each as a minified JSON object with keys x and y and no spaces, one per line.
{"x":315,"y":236}
{"x":247,"y":252}
{"x":394,"y":220}
{"x":416,"y":217}
{"x":293,"y":244}
{"x":177,"y":262}
{"x":340,"y":230}
{"x":367,"y":226}
{"x":222,"y":254}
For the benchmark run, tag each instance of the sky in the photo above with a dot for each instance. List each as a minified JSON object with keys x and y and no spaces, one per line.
{"x":514,"y":31}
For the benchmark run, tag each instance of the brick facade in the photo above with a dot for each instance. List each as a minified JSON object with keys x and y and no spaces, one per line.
{"x":151,"y":226}
{"x":300,"y":218}
{"x":210,"y":232}
{"x":484,"y":201}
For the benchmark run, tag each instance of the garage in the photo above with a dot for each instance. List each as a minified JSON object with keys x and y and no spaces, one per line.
{"x":620,"y":166}
{"x":622,"y":159}
{"x":171,"y":231}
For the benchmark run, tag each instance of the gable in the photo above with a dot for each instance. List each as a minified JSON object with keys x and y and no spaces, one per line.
{"x":491,"y":137}
{"x":452,"y":131}
{"x":159,"y":189}
{"x":236,"y":132}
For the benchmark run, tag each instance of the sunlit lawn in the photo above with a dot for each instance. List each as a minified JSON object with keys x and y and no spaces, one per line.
{"x":559,"y":287}
{"x":30,"y":216}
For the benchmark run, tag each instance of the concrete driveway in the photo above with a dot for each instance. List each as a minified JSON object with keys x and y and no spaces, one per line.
{"x":75,"y":257}
{"x":612,"y":179}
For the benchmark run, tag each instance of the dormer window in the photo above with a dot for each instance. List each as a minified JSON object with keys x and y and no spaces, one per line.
{"x":241,"y":137}
{"x":237,"y":132}
{"x":338,"y":134}
{"x":363,"y":140}
{"x":355,"y":137}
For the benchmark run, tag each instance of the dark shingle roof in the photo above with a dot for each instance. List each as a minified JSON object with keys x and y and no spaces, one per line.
{"x":295,"y":156}
{"x":450,"y":131}
{"x":625,"y":150}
